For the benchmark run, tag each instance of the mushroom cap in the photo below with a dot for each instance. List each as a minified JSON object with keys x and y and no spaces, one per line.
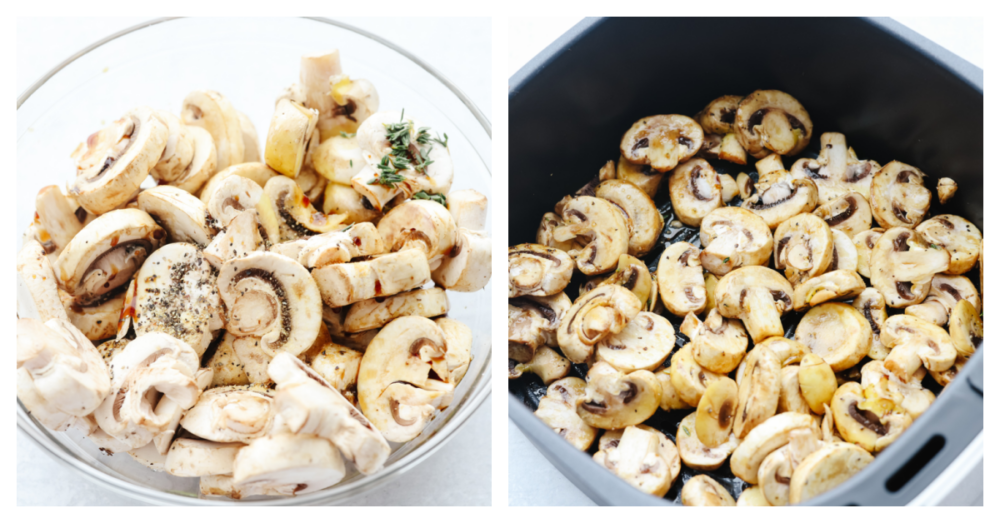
{"x":898,"y":196}
{"x":594,"y":316}
{"x":600,"y":227}
{"x":966,"y":329}
{"x":719,"y":116}
{"x":647,"y":223}
{"x":958,"y":236}
{"x":885,"y":393}
{"x":803,"y":247}
{"x":871,"y":305}
{"x":642,"y":345}
{"x":734,"y":237}
{"x":297,"y":216}
{"x":758,"y":296}
{"x":902,"y":265}
{"x":669,"y":399}
{"x":946,"y":188}
{"x":864,"y":242}
{"x":836,"y":332}
{"x":214,"y":113}
{"x":644,"y":458}
{"x":338,"y":159}
{"x":718,"y":344}
{"x":850,"y":214}
{"x":788,"y":351}
{"x":271,"y":297}
{"x":231,"y":197}
{"x":642,"y":176}
{"x":914,"y":342}
{"x":419,"y":224}
{"x":681,"y":280}
{"x":688,"y":378}
{"x":376,"y":312}
{"x":780,"y":196}
{"x":826,"y":468}
{"x":703,"y":491}
{"x":770,"y":435}
{"x":558,"y":410}
{"x":946,"y":291}
{"x":837,"y":171}
{"x":288,"y":464}
{"x":256,"y":172}
{"x":695,"y":191}
{"x":343,"y":199}
{"x":845,"y":254}
{"x":662,"y":141}
{"x":865,"y":428}
{"x":632,"y":274}
{"x":353,"y":102}
{"x":829,"y":286}
{"x":714,"y":418}
{"x":532,"y":321}
{"x":616,"y":400}
{"x":182,"y":215}
{"x":383,"y":275}
{"x":758,"y":391}
{"x":772,"y":120}
{"x":231,"y":414}
{"x":536,"y":270}
{"x":192,"y":458}
{"x":694,"y":453}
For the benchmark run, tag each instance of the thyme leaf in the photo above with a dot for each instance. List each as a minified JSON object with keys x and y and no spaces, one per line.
{"x":424,"y":195}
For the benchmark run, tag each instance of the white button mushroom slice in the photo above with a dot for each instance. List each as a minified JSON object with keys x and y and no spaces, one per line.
{"x":718,"y":344}
{"x":946,"y":188}
{"x":376,"y":312}
{"x":845,"y":254}
{"x":867,"y":429}
{"x":354,"y":241}
{"x":384,"y":275}
{"x":287,"y":465}
{"x":380,"y":191}
{"x":60,"y":217}
{"x":214,"y":113}
{"x":898,"y":197}
{"x":222,"y":485}
{"x":338,"y":159}
{"x":689,"y":379}
{"x":253,"y":359}
{"x":116,"y":159}
{"x":826,"y":468}
{"x":333,"y":319}
{"x":616,"y":400}
{"x":458,"y":338}
{"x":296,"y":215}
{"x":34,"y":270}
{"x":251,"y":144}
{"x":642,"y":213}
{"x":871,"y":305}
{"x":745,"y":184}
{"x":662,"y":141}
{"x":642,"y":345}
{"x":837,"y":171}
{"x":829,"y":427}
{"x":101,"y":259}
{"x":271,"y":297}
{"x":669,"y":399}
{"x":231,"y":414}
{"x":829,"y":286}
{"x":788,"y":351}
{"x":695,"y":191}
{"x":172,"y":411}
{"x":958,"y":236}
{"x":772,"y":121}
{"x":339,"y":365}
{"x":817,"y":382}
{"x":184,"y":217}
{"x":532,"y":322}
{"x":644,"y":177}
{"x":681,"y":280}
{"x":547,"y":364}
{"x":758,"y":391}
{"x":468,"y":265}
{"x":944,"y":378}
{"x":864,"y":242}
{"x":256,"y":172}
{"x":714,"y":417}
{"x":404,"y":377}
{"x":703,"y":491}
{"x":313,"y":88}
{"x":558,"y":410}
{"x":600,"y":227}
{"x":419,"y":224}
{"x":803,"y":247}
{"x":765,"y":438}
{"x":176,"y":294}
{"x":241,"y":237}
{"x":536,"y":270}
{"x":836,"y":332}
{"x":192,"y":458}
{"x":719,"y":116}
{"x":288,"y":137}
{"x":776,"y":470}
{"x":756,"y":295}
{"x":734,"y":237}
{"x":913,"y":342}
{"x":884,"y":392}
{"x":594,"y":316}
{"x":633,"y":275}
{"x":902,"y":265}
{"x":96,"y":322}
{"x":312,"y":185}
{"x":945,"y":293}
{"x":781,"y":195}
{"x":966,"y":328}
{"x":791,"y":399}
{"x":44,"y":412}
{"x":231,"y":197}
{"x":729,"y":188}
{"x":468,"y":207}
{"x":850,"y":214}
{"x":644,"y":458}
{"x":343,"y":199}
{"x":202,"y":166}
{"x":149,"y":457}
{"x":437,"y":177}
{"x":752,"y":497}
{"x":178,"y":151}
{"x":694,"y":453}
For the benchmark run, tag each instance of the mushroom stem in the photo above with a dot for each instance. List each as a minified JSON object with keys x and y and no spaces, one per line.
{"x":762,"y":318}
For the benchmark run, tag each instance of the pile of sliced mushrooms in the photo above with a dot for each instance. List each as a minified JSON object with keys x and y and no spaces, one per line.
{"x":877,"y":308}
{"x":253,"y":322}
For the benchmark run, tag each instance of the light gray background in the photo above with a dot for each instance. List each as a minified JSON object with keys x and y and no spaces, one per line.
{"x":532,"y":480}
{"x":457,"y":474}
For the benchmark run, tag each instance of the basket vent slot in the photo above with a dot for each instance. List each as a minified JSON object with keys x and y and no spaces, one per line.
{"x":915,"y":464}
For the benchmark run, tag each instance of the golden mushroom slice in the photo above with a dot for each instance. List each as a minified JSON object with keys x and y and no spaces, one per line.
{"x":297,"y":217}
{"x":885,"y":393}
{"x":642,"y":213}
{"x":898,"y":197}
{"x":870,"y":430}
{"x":256,"y":172}
{"x":181,"y":214}
{"x":546,"y":233}
{"x":241,"y":237}
{"x":694,"y":453}
{"x":791,"y":399}
{"x":788,"y":351}
{"x":729,"y":188}
{"x":644,"y":458}
{"x":718,"y":344}
{"x":376,"y":312}
{"x":871,"y":305}
{"x":632,"y":274}
{"x":733,"y":237}
{"x":662,"y":141}
{"x":756,"y":295}
{"x":845,"y":254}
{"x":850,"y":214}
{"x":944,"y":378}
{"x":467,"y":267}
{"x":718,"y":120}
{"x":689,"y":380}
{"x":703,"y":491}
{"x":715,"y":415}
{"x":616,"y":400}
{"x":780,"y":195}
{"x":946,"y":188}
{"x":214,"y":113}
{"x":902,"y":265}
{"x":644,"y":177}
{"x":752,"y":497}
{"x":864,"y":242}
{"x":601,"y":229}
{"x":913,"y":342}
{"x":836,"y":332}
{"x":424,"y":225}
{"x":343,"y":199}
{"x":946,"y":291}
{"x":338,"y":159}
{"x":354,"y":100}
{"x":383,"y":275}
{"x":776,"y":470}
{"x":803,"y":247}
{"x":532,"y":322}
{"x":643,"y":344}
{"x":594,"y":316}
{"x":837,"y":171}
{"x":339,"y":366}
{"x":695,"y":191}
{"x":966,"y":329}
{"x":826,"y":468}
{"x":771,"y":120}
{"x":767,"y":437}
{"x":816,"y":382}
{"x":547,"y":364}
{"x":681,"y":280}
{"x":669,"y":399}
{"x":537,"y":270}
{"x":834,"y":285}
{"x":958,"y":236}
{"x":558,"y":409}
{"x":758,"y":391}
{"x":745,"y":185}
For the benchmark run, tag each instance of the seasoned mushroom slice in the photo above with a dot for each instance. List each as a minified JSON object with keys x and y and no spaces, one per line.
{"x":681,"y":280}
{"x":594,"y":316}
{"x":845,"y":254}
{"x":816,"y":382}
{"x":644,"y":177}
{"x":946,"y":292}
{"x":913,"y":342}
{"x":850,"y":214}
{"x":776,"y":470}
{"x":781,"y":195}
{"x":714,"y":418}
{"x":178,"y":152}
{"x":788,"y":351}
{"x":899,"y":198}
{"x":230,"y":414}
{"x":764,"y":439}
{"x":180,"y":213}
{"x":733,"y":237}
{"x":536,"y":270}
{"x":966,"y":329}
{"x":719,"y":116}
{"x":468,"y":265}
{"x":902,"y":265}
{"x":642,"y":345}
{"x":865,"y":428}
{"x":615,"y":400}
{"x":871,"y":305}
{"x":338,"y":159}
{"x":632,"y":274}
{"x":946,"y":188}
{"x":642,"y":212}
{"x":546,"y":233}
{"x":600,"y":227}
{"x":729,"y":188}
{"x":772,"y":121}
{"x":833,"y":285}
{"x":384,"y":275}
{"x":864,"y":242}
{"x":758,"y":391}
{"x":689,"y":380}
{"x":958,"y":236}
{"x":718,"y":344}
{"x":644,"y":458}
{"x":34,"y":270}
{"x":791,"y":399}
{"x":116,"y":159}
{"x":532,"y":322}
{"x":271,"y":298}
{"x":99,"y":261}
{"x":695,"y":191}
{"x":836,"y":332}
{"x":189,"y":458}
{"x":214,"y":113}
{"x":96,"y":322}
{"x":233,"y":196}
{"x":355,"y":241}
{"x":756,"y":295}
{"x":376,"y":312}
{"x":419,"y":224}
{"x":662,"y":141}
{"x":803,"y":247}
{"x":343,"y":199}
{"x":296,"y":215}
{"x":547,"y":364}
{"x":944,"y":378}
{"x":354,"y":100}
{"x":241,"y":237}
{"x":558,"y":409}
{"x":703,"y":491}
{"x":694,"y":453}
{"x":256,"y":172}
{"x":885,"y":393}
{"x":59,"y":217}
{"x":837,"y":171}
{"x":287,"y":465}
{"x":826,"y":468}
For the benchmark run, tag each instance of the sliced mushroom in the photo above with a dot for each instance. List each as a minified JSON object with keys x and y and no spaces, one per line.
{"x":34,"y":270}
{"x":642,"y":176}
{"x":338,"y":159}
{"x":898,"y":197}
{"x":116,"y":159}
{"x":355,"y":241}
{"x":353,"y":102}
{"x":864,"y":242}
{"x":718,"y":344}
{"x":616,"y":400}
{"x":758,"y":391}
{"x":214,"y":113}
{"x":788,"y":351}
{"x":376,"y":312}
{"x":826,"y":468}
{"x":767,"y":437}
{"x":816,"y":382}
{"x":547,"y":364}
{"x":826,"y":287}
{"x":902,"y":265}
{"x":913,"y":342}
{"x":241,"y":237}
{"x":776,"y":470}
{"x":944,"y":378}
{"x":689,"y":379}
{"x":287,"y":465}
{"x":233,"y":196}
{"x":703,"y":491}
{"x":946,"y":188}
{"x":836,"y":332}
{"x":868,"y":430}
{"x":642,"y":213}
{"x":532,"y":322}
{"x":59,"y":217}
{"x":791,"y":399}
{"x":662,"y":141}
{"x":803,"y":247}
{"x":343,"y":199}
{"x":193,"y":458}
{"x":696,"y":454}
{"x":227,"y":368}
{"x":845,"y":254}
{"x":695,"y":191}
{"x":871,"y":305}
{"x":468,"y":208}
{"x":178,"y":152}
{"x":546,"y":233}
{"x":837,"y":171}
{"x":745,"y":184}
{"x":966,"y":328}
{"x":558,"y":409}
{"x":958,"y":236}
{"x":182,"y":215}
{"x":203,"y":165}
{"x":772,"y":121}
{"x":644,"y":458}
{"x":945,"y":293}
{"x":850,"y":214}
{"x":752,"y":497}
{"x":642,"y":345}
{"x":536,"y":270}
{"x":681,"y":280}
{"x":468,"y":265}
{"x":733,"y":238}
{"x":594,"y":316}
{"x":297,"y":216}
{"x":420,"y":224}
{"x":600,"y":228}
{"x":256,"y":172}
{"x":781,"y":197}
{"x":632,"y":274}
{"x":669,"y":399}
{"x":884,"y":392}
{"x":714,"y":418}
{"x":231,"y":414}
{"x":729,"y":188}
{"x":756,"y":295}
{"x":384,"y":275}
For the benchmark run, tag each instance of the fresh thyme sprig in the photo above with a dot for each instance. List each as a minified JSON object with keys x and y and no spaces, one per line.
{"x":440,"y":141}
{"x":424,"y":195}
{"x":348,"y":135}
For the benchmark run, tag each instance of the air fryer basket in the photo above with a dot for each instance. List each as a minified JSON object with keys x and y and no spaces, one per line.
{"x":894,"y":94}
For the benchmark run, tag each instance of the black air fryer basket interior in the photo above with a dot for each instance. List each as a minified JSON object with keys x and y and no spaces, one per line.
{"x":895,"y":95}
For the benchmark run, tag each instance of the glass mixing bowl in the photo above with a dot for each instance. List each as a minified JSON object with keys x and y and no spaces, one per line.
{"x":250,"y":61}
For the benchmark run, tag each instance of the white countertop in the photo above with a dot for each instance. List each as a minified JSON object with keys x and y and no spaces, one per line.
{"x":532,"y":480}
{"x":457,"y":474}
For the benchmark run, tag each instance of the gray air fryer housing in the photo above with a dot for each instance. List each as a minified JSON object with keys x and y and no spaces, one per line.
{"x":893,"y":93}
